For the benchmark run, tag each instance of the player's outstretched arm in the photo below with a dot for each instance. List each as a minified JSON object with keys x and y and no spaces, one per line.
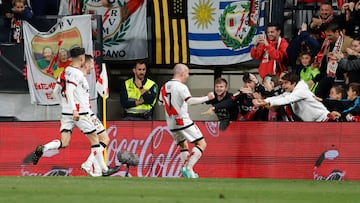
{"x":200,"y":100}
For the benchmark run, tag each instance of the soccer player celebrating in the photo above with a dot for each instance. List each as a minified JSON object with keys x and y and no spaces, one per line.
{"x":76,"y":110}
{"x":175,"y":96}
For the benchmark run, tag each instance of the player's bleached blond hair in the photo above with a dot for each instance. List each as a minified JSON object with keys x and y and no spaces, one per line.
{"x":179,"y":68}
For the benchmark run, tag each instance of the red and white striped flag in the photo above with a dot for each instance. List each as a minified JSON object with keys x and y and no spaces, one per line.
{"x":102,"y":83}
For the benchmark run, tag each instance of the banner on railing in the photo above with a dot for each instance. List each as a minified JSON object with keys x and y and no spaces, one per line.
{"x":47,"y":54}
{"x":244,"y":150}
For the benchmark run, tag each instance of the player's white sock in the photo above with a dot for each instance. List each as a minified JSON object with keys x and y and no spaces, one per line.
{"x":98,"y":154}
{"x":55,"y":144}
{"x":97,"y":168}
{"x":91,"y":157}
{"x":184,"y":155}
{"x":92,"y":161}
{"x":196,"y":153}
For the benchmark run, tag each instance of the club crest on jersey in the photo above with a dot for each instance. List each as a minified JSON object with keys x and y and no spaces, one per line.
{"x":234,"y":25}
{"x":115,"y":20}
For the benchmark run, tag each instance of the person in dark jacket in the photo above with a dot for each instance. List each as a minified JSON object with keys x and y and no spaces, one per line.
{"x":225,"y":115}
{"x":5,"y":20}
{"x":21,"y":10}
{"x":303,"y":42}
{"x":349,"y":109}
{"x":318,"y":24}
{"x":330,"y":74}
{"x":350,"y":18}
{"x":243,"y":100}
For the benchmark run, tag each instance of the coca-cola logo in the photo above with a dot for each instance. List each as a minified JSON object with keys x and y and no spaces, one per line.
{"x":158,"y":153}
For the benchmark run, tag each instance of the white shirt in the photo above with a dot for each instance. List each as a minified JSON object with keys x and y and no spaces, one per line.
{"x":303,"y":103}
{"x":173,"y":95}
{"x":65,"y":106}
{"x":81,"y":97}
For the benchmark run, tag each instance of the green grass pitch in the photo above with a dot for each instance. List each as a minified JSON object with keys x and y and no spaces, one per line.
{"x":173,"y":190}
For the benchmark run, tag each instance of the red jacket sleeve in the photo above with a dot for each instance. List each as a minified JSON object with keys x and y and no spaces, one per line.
{"x":279,"y":54}
{"x":258,"y":52}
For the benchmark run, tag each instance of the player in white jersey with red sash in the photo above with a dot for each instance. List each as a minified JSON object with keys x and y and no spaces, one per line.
{"x":90,"y":166}
{"x":76,"y":108}
{"x":77,"y":93}
{"x":175,"y":96}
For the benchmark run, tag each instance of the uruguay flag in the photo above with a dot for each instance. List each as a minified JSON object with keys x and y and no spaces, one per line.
{"x":221,"y":32}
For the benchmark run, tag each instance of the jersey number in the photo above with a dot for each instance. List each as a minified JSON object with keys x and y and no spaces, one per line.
{"x":166,"y":96}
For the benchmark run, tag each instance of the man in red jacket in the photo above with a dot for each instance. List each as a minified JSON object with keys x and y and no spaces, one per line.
{"x":271,"y":50}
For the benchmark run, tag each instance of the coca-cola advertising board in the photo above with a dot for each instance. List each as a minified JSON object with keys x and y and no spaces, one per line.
{"x":244,"y":150}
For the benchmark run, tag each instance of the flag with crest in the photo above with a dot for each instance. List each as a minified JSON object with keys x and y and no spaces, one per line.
{"x":221,"y":32}
{"x":124,"y":28}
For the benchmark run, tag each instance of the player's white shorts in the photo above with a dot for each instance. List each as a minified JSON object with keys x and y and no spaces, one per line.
{"x":99,"y":126}
{"x":85,"y":123}
{"x":191,"y":134}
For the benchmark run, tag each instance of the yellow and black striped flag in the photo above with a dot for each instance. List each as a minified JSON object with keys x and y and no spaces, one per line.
{"x":170,"y":44}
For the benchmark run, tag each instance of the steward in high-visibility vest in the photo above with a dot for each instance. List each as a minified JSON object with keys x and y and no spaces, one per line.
{"x":138,"y":100}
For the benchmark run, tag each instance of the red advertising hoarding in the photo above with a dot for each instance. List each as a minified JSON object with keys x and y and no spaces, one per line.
{"x":244,"y":150}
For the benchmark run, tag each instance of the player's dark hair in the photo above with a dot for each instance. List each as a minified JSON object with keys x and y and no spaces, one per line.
{"x":77,"y":51}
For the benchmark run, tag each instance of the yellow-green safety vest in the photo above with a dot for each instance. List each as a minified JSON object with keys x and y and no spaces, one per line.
{"x":134,"y":93}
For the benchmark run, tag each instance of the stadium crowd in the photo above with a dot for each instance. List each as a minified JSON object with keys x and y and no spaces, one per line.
{"x":322,"y":56}
{"x":299,"y":77}
{"x":311,"y":77}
